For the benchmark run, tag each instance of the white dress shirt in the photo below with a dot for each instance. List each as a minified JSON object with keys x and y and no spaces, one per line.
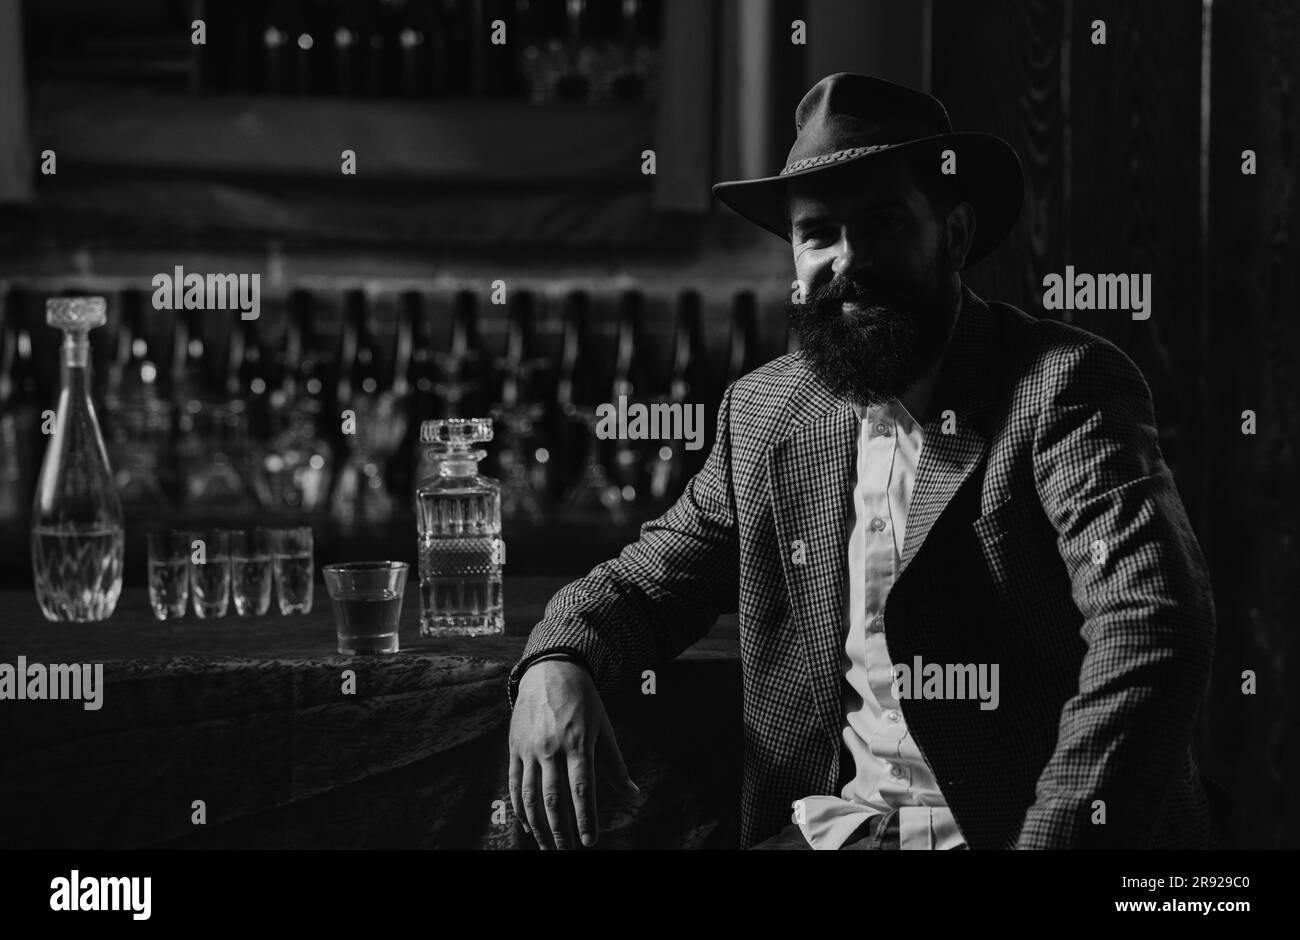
{"x":890,"y":771}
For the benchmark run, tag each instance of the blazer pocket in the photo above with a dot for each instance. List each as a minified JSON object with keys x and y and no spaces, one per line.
{"x":997,"y":522}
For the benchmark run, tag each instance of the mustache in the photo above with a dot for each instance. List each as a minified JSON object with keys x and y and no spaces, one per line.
{"x":877,"y":292}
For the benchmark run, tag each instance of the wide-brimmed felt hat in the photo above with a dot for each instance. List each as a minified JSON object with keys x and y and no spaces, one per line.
{"x":846,"y":120}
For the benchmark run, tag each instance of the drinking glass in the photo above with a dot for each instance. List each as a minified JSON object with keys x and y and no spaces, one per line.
{"x":210,"y":573}
{"x":367,"y":601}
{"x":291,"y":562}
{"x":169,"y":574}
{"x":250,"y":571}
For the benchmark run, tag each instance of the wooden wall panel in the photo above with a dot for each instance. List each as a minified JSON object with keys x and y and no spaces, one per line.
{"x":997,"y":69}
{"x":1135,"y":160}
{"x":1254,"y":299}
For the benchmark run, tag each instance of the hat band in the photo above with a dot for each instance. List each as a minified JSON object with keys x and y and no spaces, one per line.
{"x":833,"y":157}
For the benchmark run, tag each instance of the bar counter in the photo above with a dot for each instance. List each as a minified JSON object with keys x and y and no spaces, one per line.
{"x":250,"y":716}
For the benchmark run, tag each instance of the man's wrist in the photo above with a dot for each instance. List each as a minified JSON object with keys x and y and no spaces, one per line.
{"x":517,"y":674}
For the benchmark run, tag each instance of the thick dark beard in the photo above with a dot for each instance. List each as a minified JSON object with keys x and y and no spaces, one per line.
{"x":876,"y":355}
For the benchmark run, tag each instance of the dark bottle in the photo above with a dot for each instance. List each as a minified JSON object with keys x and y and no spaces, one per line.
{"x":743,"y":352}
{"x":584,"y":383}
{"x":380,"y":50}
{"x":139,"y":415}
{"x":461,"y":388}
{"x":574,"y":81}
{"x":349,"y":41}
{"x":247,"y":378}
{"x":520,"y":408}
{"x":632,"y":382}
{"x":520,"y":367}
{"x":690,"y":371}
{"x":302,"y":375}
{"x":21,"y":401}
{"x":540,"y":33}
{"x":415,"y":50}
{"x":191,"y":373}
{"x":576,"y":387}
{"x":579,"y":384}
{"x":300,"y":464}
{"x":689,"y":402}
{"x":415,"y":378}
{"x":312,"y":59}
{"x":502,"y":77}
{"x":358,"y":362}
{"x":631,"y":377}
{"x":458,"y":68}
{"x":373,"y":421}
{"x":279,"y":45}
{"x":203,"y":425}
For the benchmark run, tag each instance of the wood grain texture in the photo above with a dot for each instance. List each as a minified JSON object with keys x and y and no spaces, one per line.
{"x":1254,"y":300}
{"x":1135,"y":158}
{"x":997,"y":69}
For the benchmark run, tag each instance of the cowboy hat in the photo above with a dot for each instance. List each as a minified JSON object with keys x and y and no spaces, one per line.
{"x":848,"y":119}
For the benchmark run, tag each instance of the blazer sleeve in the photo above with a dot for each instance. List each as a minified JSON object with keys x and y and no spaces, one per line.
{"x":1139,"y":580}
{"x":661,"y":594}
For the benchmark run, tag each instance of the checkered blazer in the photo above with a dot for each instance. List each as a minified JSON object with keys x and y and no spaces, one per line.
{"x":1045,"y":534}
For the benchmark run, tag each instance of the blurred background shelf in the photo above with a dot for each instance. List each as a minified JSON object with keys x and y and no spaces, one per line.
{"x":138,"y":132}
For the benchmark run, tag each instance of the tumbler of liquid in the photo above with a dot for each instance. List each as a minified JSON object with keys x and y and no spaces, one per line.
{"x":367,"y":601}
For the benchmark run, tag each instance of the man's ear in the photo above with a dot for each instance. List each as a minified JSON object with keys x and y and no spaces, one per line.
{"x":960,"y":232}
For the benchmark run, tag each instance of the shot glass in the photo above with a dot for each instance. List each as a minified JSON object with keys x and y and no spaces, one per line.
{"x":169,"y":574}
{"x":367,"y":601}
{"x":210,"y":573}
{"x":250,"y":571}
{"x":291,"y":562}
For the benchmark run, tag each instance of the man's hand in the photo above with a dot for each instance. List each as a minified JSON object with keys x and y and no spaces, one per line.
{"x":558,"y":729}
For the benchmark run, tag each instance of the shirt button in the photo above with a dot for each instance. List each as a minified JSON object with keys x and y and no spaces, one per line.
{"x":877,"y":624}
{"x":877,"y":523}
{"x":895,"y":771}
{"x":893,"y":715}
{"x":882,"y":428}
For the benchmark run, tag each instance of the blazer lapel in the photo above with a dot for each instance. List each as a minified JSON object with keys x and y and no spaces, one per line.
{"x":810,"y":475}
{"x":965,"y":387}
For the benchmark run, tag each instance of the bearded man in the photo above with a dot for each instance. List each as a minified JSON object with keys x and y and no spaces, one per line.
{"x":972,"y":610}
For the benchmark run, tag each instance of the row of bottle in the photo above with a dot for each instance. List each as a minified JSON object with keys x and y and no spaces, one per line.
{"x":195,"y":421}
{"x":550,"y":49}
{"x":77,"y":533}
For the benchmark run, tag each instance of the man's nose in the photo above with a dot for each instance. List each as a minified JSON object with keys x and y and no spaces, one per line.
{"x":850,"y":253}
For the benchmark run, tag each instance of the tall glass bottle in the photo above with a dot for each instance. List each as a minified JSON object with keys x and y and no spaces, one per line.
{"x":77,"y":535}
{"x":459,"y":518}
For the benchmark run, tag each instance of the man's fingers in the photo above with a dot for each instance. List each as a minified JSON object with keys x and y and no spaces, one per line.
{"x":610,"y":759}
{"x":582,"y":784}
{"x":555,"y":798}
{"x":516,"y":783}
{"x":531,"y":795}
